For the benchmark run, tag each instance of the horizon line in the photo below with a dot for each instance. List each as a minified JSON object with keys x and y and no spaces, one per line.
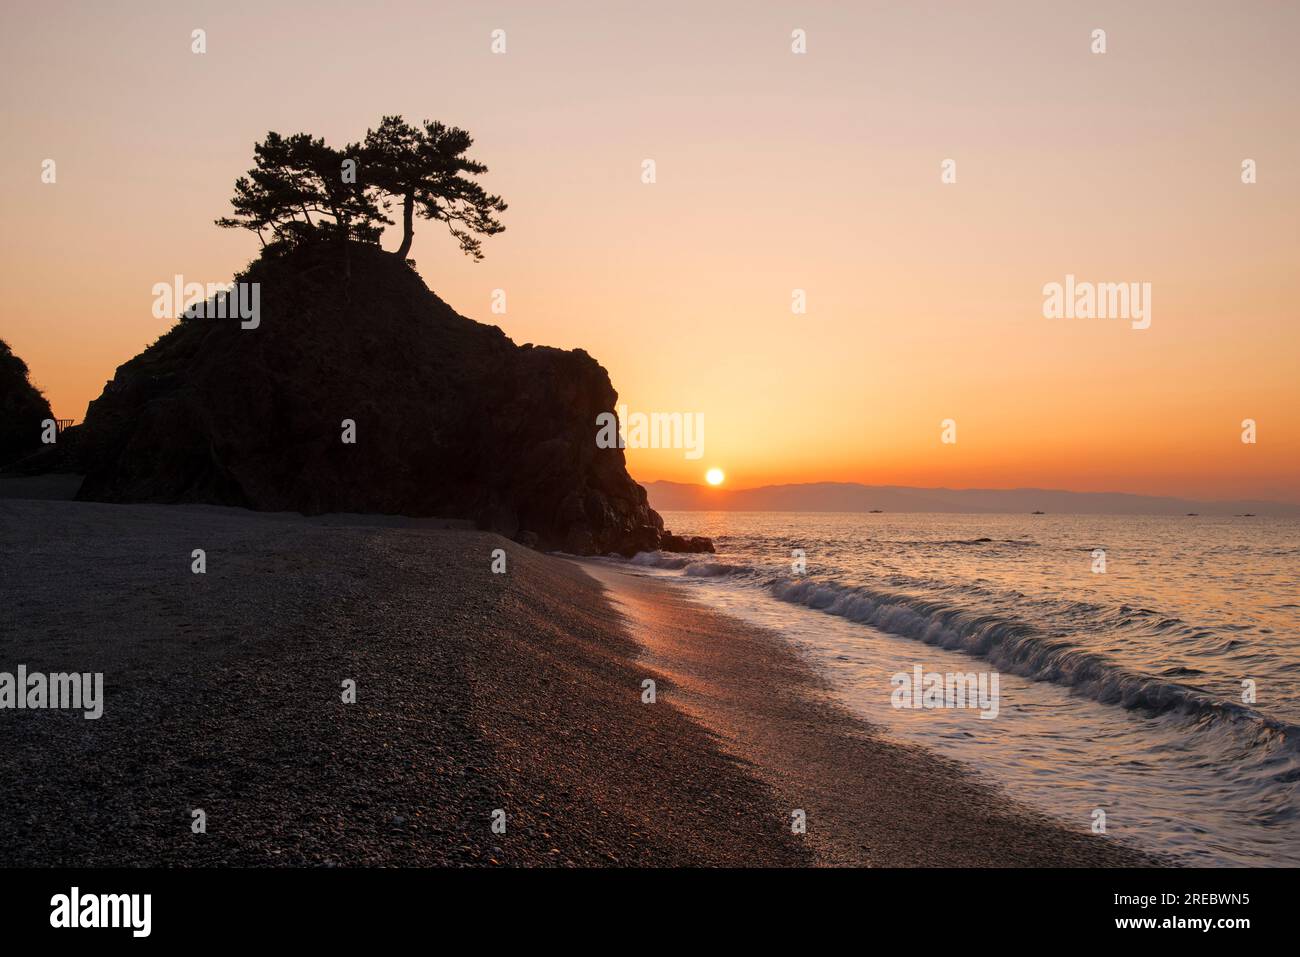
{"x":948,"y":488}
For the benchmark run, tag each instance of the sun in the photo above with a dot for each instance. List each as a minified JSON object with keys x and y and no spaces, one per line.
{"x":714,"y":476}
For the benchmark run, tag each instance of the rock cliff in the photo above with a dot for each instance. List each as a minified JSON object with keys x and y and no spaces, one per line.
{"x":448,"y":417}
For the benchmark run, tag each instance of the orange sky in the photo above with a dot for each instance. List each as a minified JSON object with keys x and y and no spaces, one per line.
{"x":775,"y":172}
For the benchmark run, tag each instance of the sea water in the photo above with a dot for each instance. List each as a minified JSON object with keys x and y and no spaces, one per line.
{"x":1149,"y":666}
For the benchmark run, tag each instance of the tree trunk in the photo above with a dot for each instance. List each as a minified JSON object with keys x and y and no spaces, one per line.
{"x":344,"y":226}
{"x":408,"y":226}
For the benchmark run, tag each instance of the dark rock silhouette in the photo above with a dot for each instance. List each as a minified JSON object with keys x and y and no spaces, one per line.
{"x":452,"y":419}
{"x":685,"y":543}
{"x":22,"y":409}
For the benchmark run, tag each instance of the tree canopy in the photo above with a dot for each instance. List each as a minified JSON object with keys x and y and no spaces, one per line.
{"x":23,"y":409}
{"x":300,"y":190}
{"x":427,"y":170}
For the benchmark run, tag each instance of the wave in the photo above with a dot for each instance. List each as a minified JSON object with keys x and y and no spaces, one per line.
{"x":695,"y":567}
{"x":715,"y":569}
{"x":659,"y":560}
{"x":1018,"y":647}
{"x":1010,"y":643}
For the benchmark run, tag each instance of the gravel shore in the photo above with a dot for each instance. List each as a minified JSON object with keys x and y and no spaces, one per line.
{"x":475,"y":692}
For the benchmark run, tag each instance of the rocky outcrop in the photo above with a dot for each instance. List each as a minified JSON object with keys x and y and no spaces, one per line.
{"x":669,"y":542}
{"x":446,"y":416}
{"x":22,"y":409}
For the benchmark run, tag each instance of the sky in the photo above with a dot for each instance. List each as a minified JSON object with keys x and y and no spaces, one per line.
{"x":774,"y":171}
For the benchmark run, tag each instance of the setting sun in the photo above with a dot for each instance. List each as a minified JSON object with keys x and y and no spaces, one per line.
{"x":714,"y":476}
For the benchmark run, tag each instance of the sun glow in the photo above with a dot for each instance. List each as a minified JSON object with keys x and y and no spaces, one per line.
{"x":714,"y":476}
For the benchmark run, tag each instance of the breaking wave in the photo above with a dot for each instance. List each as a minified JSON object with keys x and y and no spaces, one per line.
{"x":1015,"y":646}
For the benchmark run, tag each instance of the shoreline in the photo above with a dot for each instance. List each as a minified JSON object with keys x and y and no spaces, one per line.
{"x":869,"y":802}
{"x":476,"y":693}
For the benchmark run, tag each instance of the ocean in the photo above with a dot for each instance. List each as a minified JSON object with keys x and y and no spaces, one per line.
{"x":1148,"y":668}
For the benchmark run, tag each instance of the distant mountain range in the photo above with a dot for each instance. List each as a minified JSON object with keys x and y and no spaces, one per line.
{"x":852,"y":497}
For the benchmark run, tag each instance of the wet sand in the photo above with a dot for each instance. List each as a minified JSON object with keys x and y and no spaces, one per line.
{"x":475,"y":692}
